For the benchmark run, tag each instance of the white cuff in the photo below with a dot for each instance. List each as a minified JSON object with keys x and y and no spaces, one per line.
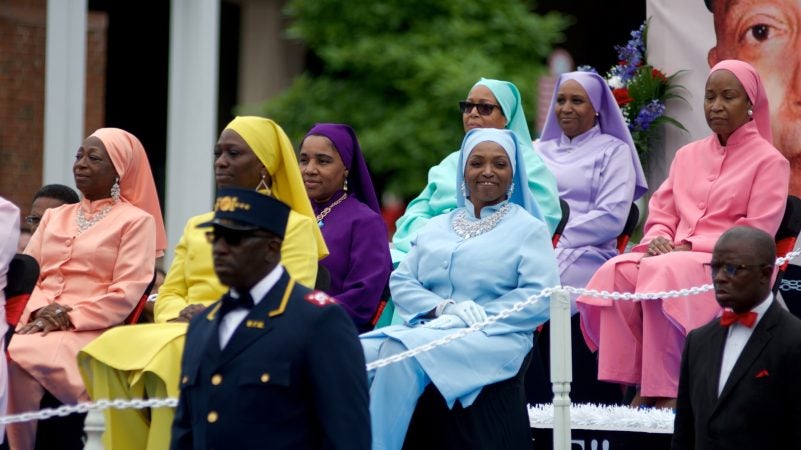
{"x":441,"y":307}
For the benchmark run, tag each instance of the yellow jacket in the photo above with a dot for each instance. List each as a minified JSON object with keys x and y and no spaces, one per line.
{"x":191,"y":278}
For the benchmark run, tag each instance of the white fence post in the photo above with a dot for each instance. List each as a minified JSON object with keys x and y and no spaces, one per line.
{"x":561,"y":367}
{"x":93,"y":427}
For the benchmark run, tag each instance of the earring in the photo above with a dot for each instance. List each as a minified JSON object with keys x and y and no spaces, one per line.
{"x":750,"y":113}
{"x":262,"y":186}
{"x":511,"y":190}
{"x":345,"y":186}
{"x":597,"y":114}
{"x":464,"y":191}
{"x":115,"y":190}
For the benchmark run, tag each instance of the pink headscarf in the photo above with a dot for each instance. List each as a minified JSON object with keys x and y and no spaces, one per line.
{"x":753,"y":86}
{"x":136,"y":180}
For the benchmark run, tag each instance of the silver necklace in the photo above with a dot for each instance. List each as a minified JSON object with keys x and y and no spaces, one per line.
{"x":84,"y":223}
{"x":468,"y":229}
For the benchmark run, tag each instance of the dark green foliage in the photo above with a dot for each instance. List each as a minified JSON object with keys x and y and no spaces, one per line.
{"x":395,"y":70}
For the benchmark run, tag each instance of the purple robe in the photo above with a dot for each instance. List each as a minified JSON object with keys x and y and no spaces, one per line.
{"x":359,"y":261}
{"x":595,"y":176}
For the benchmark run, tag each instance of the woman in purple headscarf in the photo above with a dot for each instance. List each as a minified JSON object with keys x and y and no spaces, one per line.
{"x":344,"y":200}
{"x":587,"y":146}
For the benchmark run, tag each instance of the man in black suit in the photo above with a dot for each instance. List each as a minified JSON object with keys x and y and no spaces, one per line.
{"x":739,"y":386}
{"x":273,"y":364}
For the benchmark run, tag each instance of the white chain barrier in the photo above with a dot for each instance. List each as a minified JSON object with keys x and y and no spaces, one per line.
{"x":101,"y":405}
{"x":85,"y":407}
{"x":686,"y":292}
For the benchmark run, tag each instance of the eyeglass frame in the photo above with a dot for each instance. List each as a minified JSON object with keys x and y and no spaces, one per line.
{"x":484,"y":109}
{"x":730,"y":269}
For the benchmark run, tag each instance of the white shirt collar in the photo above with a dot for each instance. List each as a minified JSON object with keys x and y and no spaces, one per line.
{"x":762,"y":308}
{"x":260,"y":289}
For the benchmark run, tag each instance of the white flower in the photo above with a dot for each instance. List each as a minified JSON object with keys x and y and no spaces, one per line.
{"x":615,"y":82}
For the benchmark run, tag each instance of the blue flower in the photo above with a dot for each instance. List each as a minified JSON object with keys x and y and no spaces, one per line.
{"x":631,"y":56}
{"x":650,"y":112}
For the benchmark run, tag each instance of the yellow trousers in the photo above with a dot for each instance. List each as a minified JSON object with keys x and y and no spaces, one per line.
{"x":131,"y":429}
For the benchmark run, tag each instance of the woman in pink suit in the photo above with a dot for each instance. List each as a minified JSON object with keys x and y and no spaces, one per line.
{"x":733,"y":177}
{"x":97,"y":258}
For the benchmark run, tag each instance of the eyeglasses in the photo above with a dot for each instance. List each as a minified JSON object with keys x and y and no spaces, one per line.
{"x":231,"y":237}
{"x":484,"y":109}
{"x":32,"y":220}
{"x":730,"y":269}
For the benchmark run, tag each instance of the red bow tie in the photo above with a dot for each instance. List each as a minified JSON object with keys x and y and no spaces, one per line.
{"x":729,"y":317}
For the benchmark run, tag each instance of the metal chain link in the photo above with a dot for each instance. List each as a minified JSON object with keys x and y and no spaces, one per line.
{"x":102,"y":405}
{"x":686,"y":292}
{"x":459,"y":334}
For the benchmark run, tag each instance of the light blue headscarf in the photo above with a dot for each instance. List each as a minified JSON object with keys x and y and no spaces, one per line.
{"x":521,"y":194}
{"x":512,"y":105}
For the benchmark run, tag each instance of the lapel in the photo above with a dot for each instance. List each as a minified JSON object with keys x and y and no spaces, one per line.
{"x":259,"y":321}
{"x":209,"y":335}
{"x":717,"y":343}
{"x":753,"y":348}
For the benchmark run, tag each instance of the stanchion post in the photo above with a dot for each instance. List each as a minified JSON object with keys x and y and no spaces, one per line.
{"x":561,"y":367}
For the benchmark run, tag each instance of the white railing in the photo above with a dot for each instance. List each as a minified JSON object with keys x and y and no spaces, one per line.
{"x":561,"y":359}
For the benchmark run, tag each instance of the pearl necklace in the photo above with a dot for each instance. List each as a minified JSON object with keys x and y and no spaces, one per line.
{"x":84,"y":223}
{"x":328,"y":209}
{"x":468,"y":229}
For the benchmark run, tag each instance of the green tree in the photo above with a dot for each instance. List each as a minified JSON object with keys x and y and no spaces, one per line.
{"x":395,"y":70}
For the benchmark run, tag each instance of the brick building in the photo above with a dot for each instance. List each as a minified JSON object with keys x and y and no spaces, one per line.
{"x":22,"y":93}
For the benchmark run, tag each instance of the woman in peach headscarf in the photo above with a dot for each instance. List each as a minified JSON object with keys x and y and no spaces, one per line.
{"x":97,"y":258}
{"x":733,"y":177}
{"x":254,"y":153}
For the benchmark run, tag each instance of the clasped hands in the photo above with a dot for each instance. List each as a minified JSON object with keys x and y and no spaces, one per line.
{"x":188,"y":313}
{"x":52,"y":317}
{"x":661,"y":245}
{"x":458,"y":315}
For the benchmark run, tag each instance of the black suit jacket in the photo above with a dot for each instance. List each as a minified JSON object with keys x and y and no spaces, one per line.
{"x":760,"y":404}
{"x":291,"y":377}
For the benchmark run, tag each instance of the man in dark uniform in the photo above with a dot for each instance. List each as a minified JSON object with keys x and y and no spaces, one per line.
{"x":739,"y":385}
{"x":273,"y":364}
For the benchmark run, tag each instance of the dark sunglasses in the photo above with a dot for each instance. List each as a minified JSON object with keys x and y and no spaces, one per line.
{"x":484,"y":109}
{"x":728,"y":268}
{"x":231,"y":237}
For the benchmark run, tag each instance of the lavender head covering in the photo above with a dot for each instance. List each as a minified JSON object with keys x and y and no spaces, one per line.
{"x":610,"y":119}
{"x":345,"y":143}
{"x":508,"y":140}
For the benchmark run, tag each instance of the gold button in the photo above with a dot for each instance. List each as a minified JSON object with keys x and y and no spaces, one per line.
{"x":265,"y":377}
{"x":185,"y":379}
{"x":216,"y":379}
{"x":212,"y":417}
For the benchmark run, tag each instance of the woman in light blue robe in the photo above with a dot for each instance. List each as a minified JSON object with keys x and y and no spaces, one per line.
{"x":449,"y":275}
{"x":440,"y":194}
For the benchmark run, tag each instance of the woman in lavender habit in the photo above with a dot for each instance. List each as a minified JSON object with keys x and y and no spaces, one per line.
{"x":348,"y":214}
{"x":587,"y":146}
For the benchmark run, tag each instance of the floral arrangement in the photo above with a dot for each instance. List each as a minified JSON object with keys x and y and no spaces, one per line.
{"x":641,"y":91}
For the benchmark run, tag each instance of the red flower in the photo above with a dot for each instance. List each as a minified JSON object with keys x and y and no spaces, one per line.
{"x":622,"y":96}
{"x":658,"y":74}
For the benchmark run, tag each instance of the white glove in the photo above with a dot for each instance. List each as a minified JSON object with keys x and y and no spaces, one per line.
{"x":445,"y":322}
{"x":468,"y":310}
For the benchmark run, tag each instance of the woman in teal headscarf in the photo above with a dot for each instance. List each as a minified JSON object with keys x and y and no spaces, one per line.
{"x":490,"y":104}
